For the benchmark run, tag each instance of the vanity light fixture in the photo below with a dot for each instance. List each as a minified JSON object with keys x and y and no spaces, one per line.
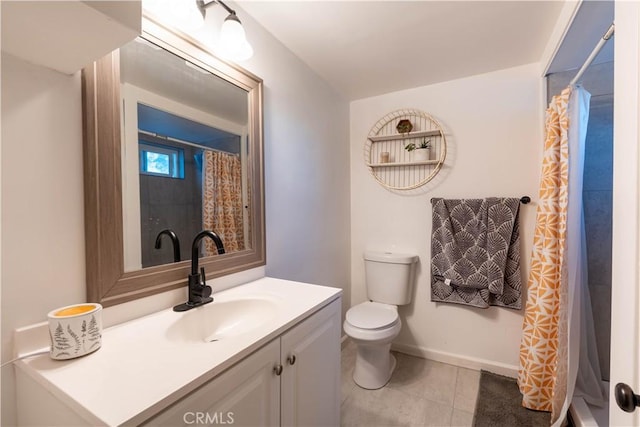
{"x":233,"y":40}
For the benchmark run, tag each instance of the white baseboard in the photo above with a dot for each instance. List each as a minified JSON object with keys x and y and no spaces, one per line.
{"x":451,"y":359}
{"x":458,"y":360}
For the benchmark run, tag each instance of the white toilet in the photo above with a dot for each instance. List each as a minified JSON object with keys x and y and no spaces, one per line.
{"x":372,"y":325}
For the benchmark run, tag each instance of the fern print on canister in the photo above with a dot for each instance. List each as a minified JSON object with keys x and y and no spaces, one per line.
{"x":75,"y":330}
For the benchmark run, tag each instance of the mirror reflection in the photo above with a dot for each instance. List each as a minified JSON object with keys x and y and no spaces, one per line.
{"x":184,"y":165}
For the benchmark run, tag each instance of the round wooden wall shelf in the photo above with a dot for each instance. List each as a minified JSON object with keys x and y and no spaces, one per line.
{"x":391,"y":164}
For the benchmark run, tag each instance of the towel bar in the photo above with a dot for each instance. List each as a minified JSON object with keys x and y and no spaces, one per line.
{"x":524,"y":200}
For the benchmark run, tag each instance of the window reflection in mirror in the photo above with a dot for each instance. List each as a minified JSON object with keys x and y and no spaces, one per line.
{"x":184,"y":156}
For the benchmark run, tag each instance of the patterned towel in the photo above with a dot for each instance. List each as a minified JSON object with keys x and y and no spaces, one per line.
{"x":475,"y":252}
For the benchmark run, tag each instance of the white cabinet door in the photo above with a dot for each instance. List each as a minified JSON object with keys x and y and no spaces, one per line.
{"x":311,"y":381}
{"x":247,"y":394}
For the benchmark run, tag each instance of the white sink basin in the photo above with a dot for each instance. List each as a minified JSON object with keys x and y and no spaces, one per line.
{"x":222,"y":319}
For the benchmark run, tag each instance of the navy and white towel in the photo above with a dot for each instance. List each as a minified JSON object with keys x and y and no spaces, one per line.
{"x":475,"y":252}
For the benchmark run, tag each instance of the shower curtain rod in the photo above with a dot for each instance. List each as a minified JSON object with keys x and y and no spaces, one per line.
{"x":593,"y":54}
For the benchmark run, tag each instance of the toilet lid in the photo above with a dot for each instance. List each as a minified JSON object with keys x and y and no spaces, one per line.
{"x":372,"y":315}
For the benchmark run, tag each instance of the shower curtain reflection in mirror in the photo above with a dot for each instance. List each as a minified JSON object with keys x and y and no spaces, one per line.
{"x":222,"y":209}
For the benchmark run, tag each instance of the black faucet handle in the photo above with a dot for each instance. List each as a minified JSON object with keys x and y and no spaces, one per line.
{"x":206,"y":290}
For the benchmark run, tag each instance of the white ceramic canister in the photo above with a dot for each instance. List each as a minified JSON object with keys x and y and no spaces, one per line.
{"x":422,"y":154}
{"x":75,"y":330}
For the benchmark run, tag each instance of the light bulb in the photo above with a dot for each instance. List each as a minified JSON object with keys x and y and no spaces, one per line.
{"x":233,"y":40}
{"x":232,"y":34}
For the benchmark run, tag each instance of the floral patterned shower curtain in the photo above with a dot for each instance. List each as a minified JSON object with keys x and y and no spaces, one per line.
{"x":222,"y":200}
{"x":542,"y":376}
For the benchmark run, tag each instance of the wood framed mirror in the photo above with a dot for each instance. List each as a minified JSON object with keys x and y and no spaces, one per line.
{"x":147,"y":127}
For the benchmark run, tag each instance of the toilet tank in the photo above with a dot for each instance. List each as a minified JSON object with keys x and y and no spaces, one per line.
{"x":389,"y":277}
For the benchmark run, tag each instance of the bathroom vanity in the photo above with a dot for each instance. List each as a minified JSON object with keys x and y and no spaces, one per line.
{"x":265,"y":353}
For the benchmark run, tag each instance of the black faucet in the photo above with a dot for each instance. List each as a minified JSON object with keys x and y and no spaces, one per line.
{"x":174,"y":240}
{"x":199,"y":292}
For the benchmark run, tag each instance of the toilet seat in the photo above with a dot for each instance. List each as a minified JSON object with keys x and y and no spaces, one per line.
{"x":373,"y":316}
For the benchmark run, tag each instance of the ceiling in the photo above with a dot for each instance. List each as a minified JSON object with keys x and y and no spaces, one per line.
{"x":367,"y":48}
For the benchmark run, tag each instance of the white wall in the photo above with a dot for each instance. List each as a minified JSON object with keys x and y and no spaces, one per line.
{"x":307,"y":168}
{"x":42,"y":200}
{"x":306,"y":182}
{"x":494,"y":128}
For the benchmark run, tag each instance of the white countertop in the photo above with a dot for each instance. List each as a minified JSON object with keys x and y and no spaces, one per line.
{"x":140,"y":370}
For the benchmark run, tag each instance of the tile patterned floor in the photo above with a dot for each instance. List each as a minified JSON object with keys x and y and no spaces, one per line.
{"x":420,"y":393}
